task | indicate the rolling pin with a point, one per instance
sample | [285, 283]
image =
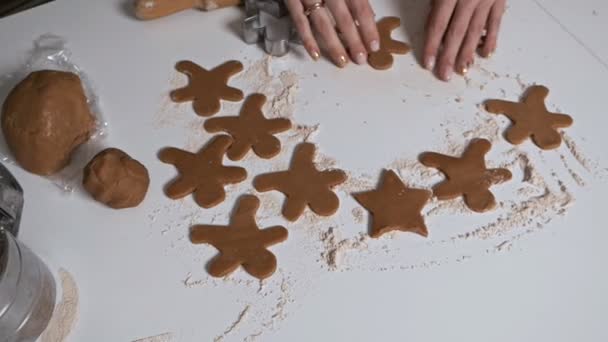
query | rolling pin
[153, 9]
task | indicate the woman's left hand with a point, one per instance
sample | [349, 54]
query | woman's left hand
[454, 31]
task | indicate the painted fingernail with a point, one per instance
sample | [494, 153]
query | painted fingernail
[342, 61]
[361, 58]
[429, 63]
[315, 55]
[446, 75]
[374, 45]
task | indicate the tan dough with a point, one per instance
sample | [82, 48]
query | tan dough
[383, 58]
[115, 179]
[45, 118]
[202, 173]
[467, 176]
[250, 130]
[394, 206]
[304, 185]
[241, 242]
[207, 87]
[531, 119]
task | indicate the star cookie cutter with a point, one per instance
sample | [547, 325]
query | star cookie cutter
[268, 22]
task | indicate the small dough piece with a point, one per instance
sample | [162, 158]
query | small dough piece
[304, 185]
[202, 173]
[383, 58]
[467, 176]
[45, 118]
[394, 206]
[250, 130]
[531, 119]
[206, 88]
[241, 242]
[115, 179]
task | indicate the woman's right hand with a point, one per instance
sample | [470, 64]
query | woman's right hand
[355, 33]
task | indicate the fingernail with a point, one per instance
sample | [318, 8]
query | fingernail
[446, 75]
[374, 45]
[342, 61]
[429, 64]
[489, 55]
[361, 58]
[315, 55]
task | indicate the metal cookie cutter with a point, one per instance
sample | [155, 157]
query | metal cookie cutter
[268, 21]
[11, 202]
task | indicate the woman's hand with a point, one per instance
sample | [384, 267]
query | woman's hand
[354, 32]
[454, 31]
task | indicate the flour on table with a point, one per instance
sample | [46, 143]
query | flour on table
[165, 337]
[65, 315]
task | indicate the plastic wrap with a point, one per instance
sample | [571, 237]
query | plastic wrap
[50, 53]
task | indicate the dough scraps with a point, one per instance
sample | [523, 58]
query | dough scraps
[531, 119]
[115, 179]
[202, 173]
[206, 88]
[394, 206]
[304, 185]
[44, 120]
[250, 130]
[467, 176]
[241, 242]
[383, 58]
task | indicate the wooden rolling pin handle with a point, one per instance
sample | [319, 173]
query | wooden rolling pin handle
[153, 9]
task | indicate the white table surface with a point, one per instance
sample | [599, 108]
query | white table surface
[138, 275]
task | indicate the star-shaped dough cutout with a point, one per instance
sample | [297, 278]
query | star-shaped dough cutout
[467, 176]
[394, 206]
[207, 87]
[250, 130]
[241, 242]
[531, 119]
[304, 185]
[202, 173]
[383, 59]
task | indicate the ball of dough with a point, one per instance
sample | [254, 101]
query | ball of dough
[115, 179]
[45, 118]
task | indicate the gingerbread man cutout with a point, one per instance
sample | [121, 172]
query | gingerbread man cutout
[202, 173]
[207, 87]
[467, 176]
[241, 242]
[531, 119]
[394, 206]
[250, 130]
[383, 58]
[304, 185]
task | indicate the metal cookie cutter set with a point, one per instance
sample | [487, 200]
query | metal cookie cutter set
[27, 287]
[268, 21]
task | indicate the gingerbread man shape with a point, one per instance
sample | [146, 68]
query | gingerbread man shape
[383, 58]
[531, 119]
[241, 242]
[304, 185]
[251, 130]
[467, 176]
[202, 173]
[207, 87]
[394, 206]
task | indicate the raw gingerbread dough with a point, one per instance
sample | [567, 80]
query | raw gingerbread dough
[467, 176]
[304, 185]
[115, 179]
[394, 206]
[531, 118]
[241, 242]
[45, 118]
[206, 88]
[202, 173]
[250, 130]
[383, 58]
